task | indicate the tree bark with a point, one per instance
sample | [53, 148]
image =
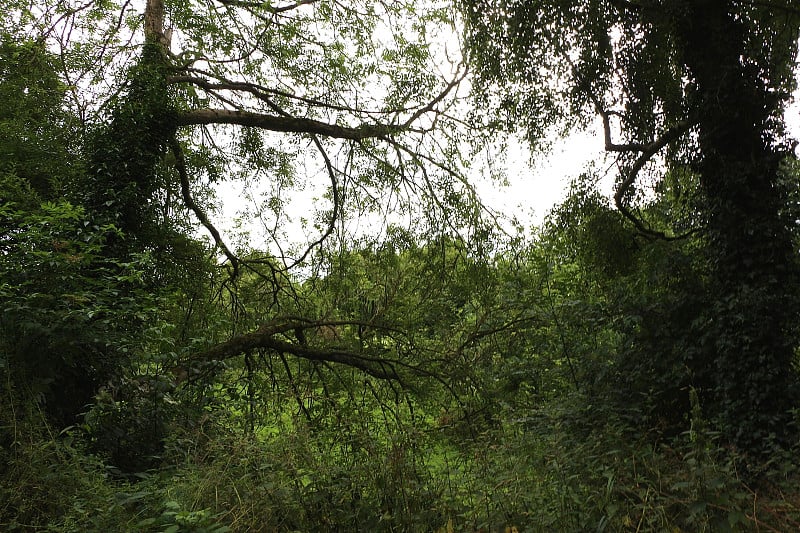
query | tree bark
[154, 22]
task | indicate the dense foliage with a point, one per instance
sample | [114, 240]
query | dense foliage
[695, 91]
[413, 363]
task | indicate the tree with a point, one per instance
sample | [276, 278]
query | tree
[178, 97]
[698, 87]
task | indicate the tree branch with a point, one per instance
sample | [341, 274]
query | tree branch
[430, 105]
[610, 146]
[336, 203]
[180, 165]
[285, 124]
[647, 153]
[266, 5]
[265, 338]
[264, 93]
[259, 91]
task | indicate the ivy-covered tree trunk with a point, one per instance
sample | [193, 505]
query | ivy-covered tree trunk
[127, 151]
[749, 336]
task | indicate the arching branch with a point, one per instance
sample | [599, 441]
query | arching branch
[180, 165]
[336, 203]
[647, 153]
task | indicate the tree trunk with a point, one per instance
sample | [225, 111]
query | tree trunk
[154, 22]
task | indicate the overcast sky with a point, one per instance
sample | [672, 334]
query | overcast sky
[534, 187]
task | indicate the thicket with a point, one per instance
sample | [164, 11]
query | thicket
[543, 419]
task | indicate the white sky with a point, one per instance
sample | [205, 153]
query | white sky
[534, 187]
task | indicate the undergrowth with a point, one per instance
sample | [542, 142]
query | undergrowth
[561, 468]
